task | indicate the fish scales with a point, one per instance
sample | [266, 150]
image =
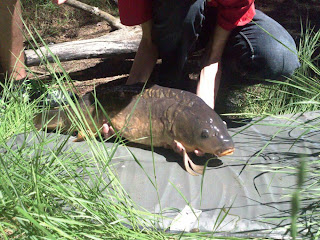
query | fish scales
[153, 105]
[175, 115]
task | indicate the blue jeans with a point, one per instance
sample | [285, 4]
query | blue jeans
[261, 49]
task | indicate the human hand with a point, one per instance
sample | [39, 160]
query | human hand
[59, 1]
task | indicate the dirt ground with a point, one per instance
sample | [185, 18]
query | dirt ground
[89, 72]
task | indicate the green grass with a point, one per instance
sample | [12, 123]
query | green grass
[301, 92]
[44, 196]
[304, 214]
[298, 93]
[52, 20]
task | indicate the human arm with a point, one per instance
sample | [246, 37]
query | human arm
[210, 74]
[11, 39]
[145, 58]
[231, 14]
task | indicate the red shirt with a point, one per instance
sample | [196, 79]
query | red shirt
[231, 13]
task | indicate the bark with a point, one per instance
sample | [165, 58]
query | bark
[120, 43]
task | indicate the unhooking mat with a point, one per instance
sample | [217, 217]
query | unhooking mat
[240, 195]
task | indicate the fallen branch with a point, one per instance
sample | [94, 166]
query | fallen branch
[123, 42]
[113, 22]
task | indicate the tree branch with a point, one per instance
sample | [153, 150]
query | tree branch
[113, 21]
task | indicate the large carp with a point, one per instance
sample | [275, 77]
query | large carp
[176, 117]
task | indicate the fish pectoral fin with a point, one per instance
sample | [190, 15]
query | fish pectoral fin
[192, 168]
[80, 137]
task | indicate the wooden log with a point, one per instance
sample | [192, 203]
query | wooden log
[123, 42]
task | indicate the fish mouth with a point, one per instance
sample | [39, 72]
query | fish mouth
[226, 152]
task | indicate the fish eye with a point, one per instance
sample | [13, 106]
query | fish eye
[205, 133]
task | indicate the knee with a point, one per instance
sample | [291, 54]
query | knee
[262, 49]
[275, 58]
[275, 49]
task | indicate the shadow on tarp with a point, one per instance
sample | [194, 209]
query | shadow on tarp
[244, 188]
